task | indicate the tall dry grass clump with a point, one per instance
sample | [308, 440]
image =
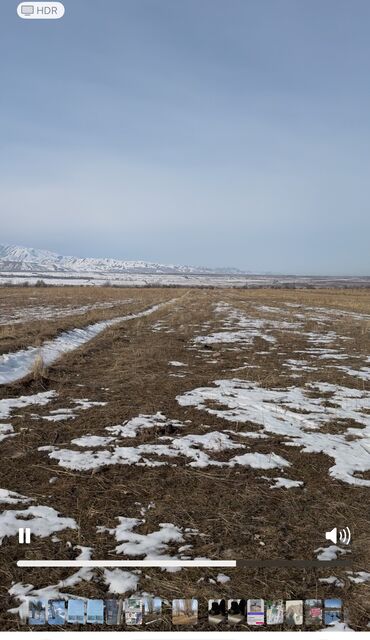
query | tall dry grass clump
[38, 368]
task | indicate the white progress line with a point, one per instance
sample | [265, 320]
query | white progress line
[126, 563]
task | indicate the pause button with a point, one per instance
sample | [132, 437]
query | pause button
[24, 536]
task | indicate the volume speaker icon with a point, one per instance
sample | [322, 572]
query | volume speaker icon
[343, 535]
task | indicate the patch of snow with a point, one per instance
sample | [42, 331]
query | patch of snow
[82, 404]
[189, 446]
[119, 581]
[131, 428]
[359, 577]
[255, 435]
[259, 461]
[42, 520]
[11, 497]
[325, 313]
[363, 373]
[267, 309]
[333, 580]
[6, 431]
[222, 578]
[59, 415]
[92, 441]
[321, 338]
[7, 405]
[212, 441]
[298, 365]
[330, 553]
[237, 328]
[152, 545]
[286, 483]
[332, 354]
[297, 416]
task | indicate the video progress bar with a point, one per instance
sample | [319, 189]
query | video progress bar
[194, 564]
[126, 563]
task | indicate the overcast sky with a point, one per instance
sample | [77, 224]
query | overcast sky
[206, 132]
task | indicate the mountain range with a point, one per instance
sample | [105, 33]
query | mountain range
[15, 258]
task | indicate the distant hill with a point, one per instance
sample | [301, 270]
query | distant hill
[23, 259]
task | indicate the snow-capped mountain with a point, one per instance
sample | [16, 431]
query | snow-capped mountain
[21, 259]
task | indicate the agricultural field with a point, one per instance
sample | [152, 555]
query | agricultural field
[168, 424]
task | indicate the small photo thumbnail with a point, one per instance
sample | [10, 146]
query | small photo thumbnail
[333, 611]
[56, 612]
[256, 612]
[113, 611]
[313, 612]
[274, 612]
[217, 611]
[95, 612]
[76, 611]
[152, 609]
[184, 611]
[236, 610]
[294, 612]
[133, 611]
[36, 611]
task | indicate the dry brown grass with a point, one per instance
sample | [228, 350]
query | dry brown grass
[127, 367]
[39, 368]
